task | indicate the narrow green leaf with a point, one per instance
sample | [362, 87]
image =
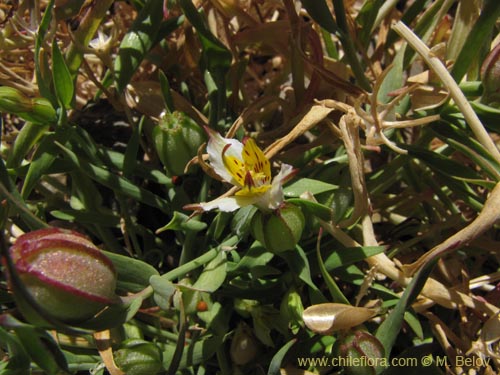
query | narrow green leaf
[215, 60]
[44, 82]
[137, 42]
[448, 167]
[9, 192]
[478, 36]
[87, 217]
[256, 256]
[133, 274]
[349, 45]
[115, 182]
[299, 266]
[336, 293]
[216, 55]
[43, 159]
[42, 349]
[319, 11]
[165, 90]
[130, 157]
[489, 116]
[19, 360]
[350, 255]
[461, 141]
[411, 319]
[276, 362]
[366, 19]
[183, 222]
[28, 137]
[63, 82]
[296, 188]
[391, 327]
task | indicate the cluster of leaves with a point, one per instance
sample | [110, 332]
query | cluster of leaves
[80, 153]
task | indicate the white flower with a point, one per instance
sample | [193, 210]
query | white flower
[244, 165]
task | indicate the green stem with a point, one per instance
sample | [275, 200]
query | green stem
[186, 268]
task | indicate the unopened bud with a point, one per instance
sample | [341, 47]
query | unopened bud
[38, 110]
[68, 277]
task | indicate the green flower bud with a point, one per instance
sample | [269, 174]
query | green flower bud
[279, 230]
[363, 353]
[67, 276]
[291, 310]
[42, 111]
[490, 76]
[139, 357]
[13, 100]
[38, 110]
[177, 139]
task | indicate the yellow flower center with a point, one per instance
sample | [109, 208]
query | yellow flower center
[253, 173]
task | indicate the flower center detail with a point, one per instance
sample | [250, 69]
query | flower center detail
[252, 172]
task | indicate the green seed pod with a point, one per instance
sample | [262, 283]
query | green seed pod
[68, 277]
[38, 110]
[279, 230]
[177, 139]
[490, 76]
[244, 346]
[363, 353]
[139, 357]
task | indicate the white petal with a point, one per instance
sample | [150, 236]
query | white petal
[285, 173]
[215, 148]
[228, 204]
[273, 197]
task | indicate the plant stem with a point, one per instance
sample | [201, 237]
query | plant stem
[187, 267]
